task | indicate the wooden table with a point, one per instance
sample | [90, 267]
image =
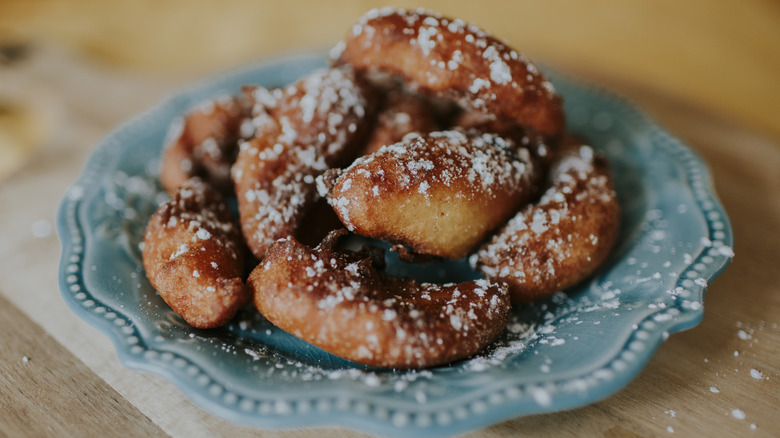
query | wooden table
[61, 377]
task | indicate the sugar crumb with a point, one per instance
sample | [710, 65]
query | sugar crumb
[41, 228]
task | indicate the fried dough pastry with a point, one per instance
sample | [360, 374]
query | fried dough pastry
[204, 144]
[438, 194]
[342, 302]
[449, 58]
[561, 239]
[300, 131]
[194, 256]
[402, 113]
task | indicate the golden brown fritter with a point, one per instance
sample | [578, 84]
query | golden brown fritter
[204, 144]
[194, 256]
[300, 132]
[342, 302]
[561, 239]
[402, 113]
[439, 193]
[446, 57]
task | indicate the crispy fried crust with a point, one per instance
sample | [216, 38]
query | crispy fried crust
[450, 58]
[343, 303]
[402, 112]
[204, 144]
[561, 239]
[439, 193]
[194, 256]
[301, 131]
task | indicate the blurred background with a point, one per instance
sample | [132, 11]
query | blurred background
[107, 60]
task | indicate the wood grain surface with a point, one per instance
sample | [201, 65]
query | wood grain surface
[78, 77]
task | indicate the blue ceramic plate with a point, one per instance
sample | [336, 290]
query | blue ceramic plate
[571, 350]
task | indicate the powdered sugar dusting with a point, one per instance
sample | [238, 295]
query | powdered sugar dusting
[537, 228]
[392, 321]
[300, 130]
[499, 70]
[443, 158]
[494, 83]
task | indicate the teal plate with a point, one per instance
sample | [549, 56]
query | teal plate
[577, 347]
